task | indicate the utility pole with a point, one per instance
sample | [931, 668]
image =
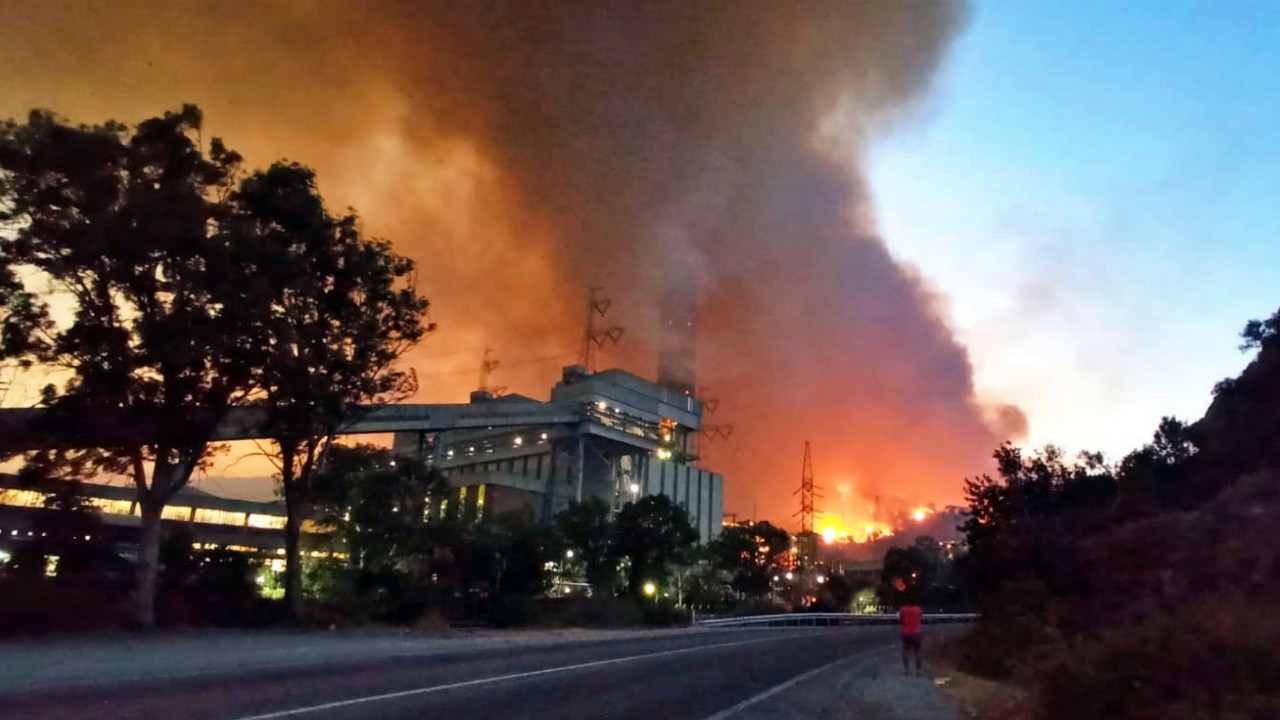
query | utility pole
[807, 492]
[591, 337]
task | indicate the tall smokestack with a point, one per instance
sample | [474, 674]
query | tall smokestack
[677, 343]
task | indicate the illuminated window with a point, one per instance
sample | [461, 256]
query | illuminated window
[315, 528]
[269, 522]
[176, 512]
[112, 507]
[480, 502]
[219, 517]
[22, 498]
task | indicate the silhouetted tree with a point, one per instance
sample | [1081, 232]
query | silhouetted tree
[24, 317]
[587, 529]
[1256, 333]
[751, 555]
[652, 533]
[909, 572]
[343, 310]
[1160, 471]
[377, 504]
[1023, 523]
[1240, 432]
[123, 223]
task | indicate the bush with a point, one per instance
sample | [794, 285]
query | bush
[1000, 648]
[511, 611]
[1213, 660]
[39, 607]
[589, 612]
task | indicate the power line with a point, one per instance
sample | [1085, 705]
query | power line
[505, 364]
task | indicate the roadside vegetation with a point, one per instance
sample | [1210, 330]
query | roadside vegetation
[1147, 588]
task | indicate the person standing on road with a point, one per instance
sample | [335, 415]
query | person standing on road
[910, 618]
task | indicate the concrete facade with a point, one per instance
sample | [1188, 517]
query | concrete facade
[627, 438]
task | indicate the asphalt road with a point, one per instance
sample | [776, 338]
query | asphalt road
[699, 675]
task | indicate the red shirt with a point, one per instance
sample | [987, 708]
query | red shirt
[909, 616]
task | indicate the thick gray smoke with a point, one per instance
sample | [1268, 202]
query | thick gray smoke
[521, 151]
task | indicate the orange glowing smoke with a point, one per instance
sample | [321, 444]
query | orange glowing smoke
[522, 151]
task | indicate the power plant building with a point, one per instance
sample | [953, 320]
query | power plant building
[608, 435]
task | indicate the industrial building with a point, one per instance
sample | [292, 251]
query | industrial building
[213, 523]
[609, 435]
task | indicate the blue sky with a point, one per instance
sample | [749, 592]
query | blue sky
[1094, 190]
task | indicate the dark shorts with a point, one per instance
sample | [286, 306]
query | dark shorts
[910, 642]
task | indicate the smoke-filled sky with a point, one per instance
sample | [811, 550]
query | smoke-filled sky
[523, 151]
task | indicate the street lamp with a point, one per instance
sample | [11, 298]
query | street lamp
[568, 554]
[651, 590]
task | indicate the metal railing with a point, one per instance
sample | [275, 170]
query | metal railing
[829, 620]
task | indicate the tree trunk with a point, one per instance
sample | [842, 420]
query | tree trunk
[293, 561]
[292, 531]
[148, 567]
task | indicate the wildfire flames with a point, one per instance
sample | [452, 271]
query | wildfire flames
[521, 152]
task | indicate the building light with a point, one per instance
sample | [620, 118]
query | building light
[450, 453]
[219, 517]
[568, 554]
[518, 441]
[544, 436]
[602, 406]
[635, 488]
[51, 566]
[789, 576]
[266, 522]
[393, 463]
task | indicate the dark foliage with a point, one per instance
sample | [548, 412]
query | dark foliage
[1147, 591]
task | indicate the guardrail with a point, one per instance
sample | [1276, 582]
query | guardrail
[828, 619]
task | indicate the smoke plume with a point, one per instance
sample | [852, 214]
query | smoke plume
[522, 151]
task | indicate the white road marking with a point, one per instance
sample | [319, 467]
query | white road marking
[788, 684]
[500, 678]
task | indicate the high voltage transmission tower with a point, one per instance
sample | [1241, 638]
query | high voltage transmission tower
[488, 364]
[593, 338]
[808, 492]
[710, 431]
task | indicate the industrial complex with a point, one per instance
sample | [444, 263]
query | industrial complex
[608, 435]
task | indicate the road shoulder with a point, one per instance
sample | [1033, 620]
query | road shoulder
[866, 687]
